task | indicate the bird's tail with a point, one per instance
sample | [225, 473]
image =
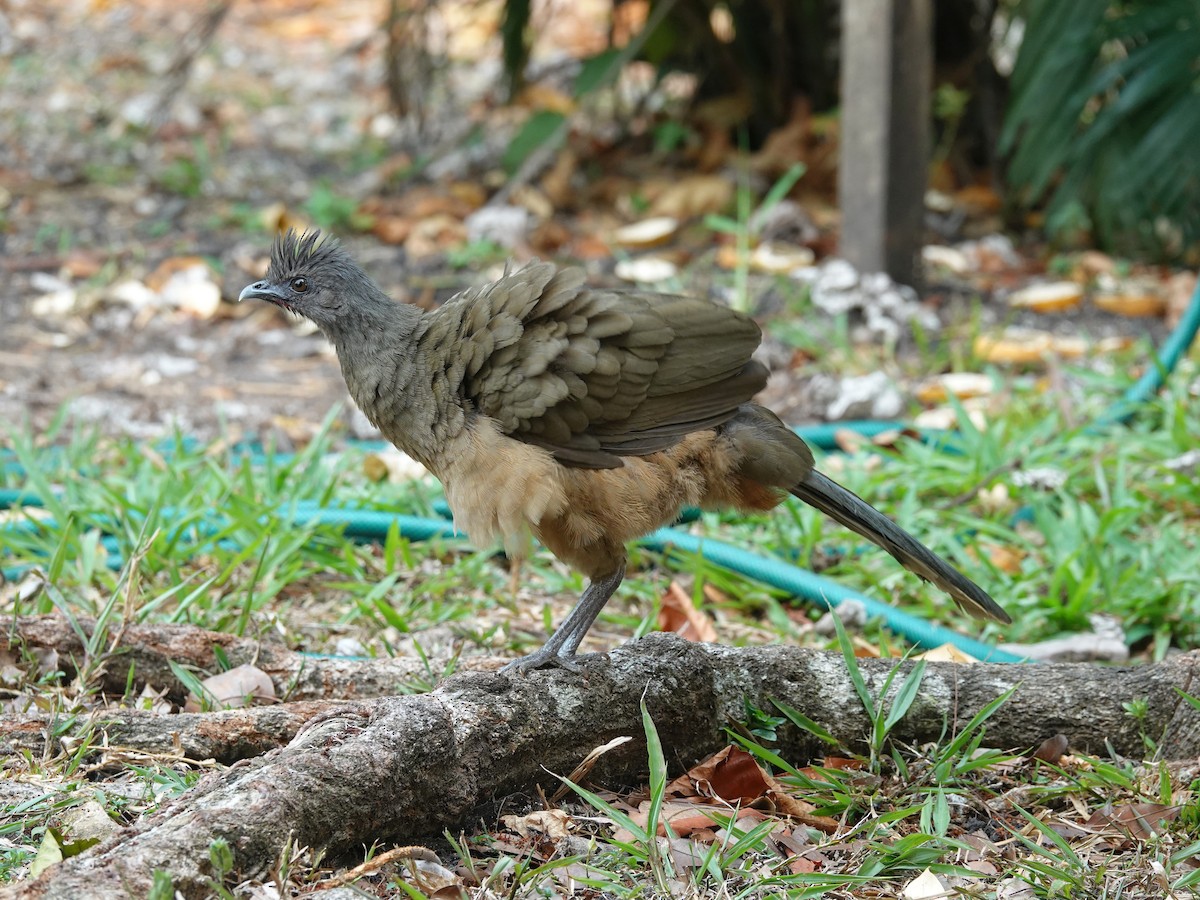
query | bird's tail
[856, 514]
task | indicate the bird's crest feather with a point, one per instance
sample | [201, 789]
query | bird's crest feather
[292, 252]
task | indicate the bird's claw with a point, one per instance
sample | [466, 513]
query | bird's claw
[542, 659]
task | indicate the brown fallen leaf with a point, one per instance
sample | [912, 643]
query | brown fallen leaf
[731, 774]
[677, 613]
[240, 686]
[734, 776]
[977, 199]
[1137, 821]
[1006, 558]
[946, 653]
[1015, 346]
[277, 217]
[392, 229]
[1049, 297]
[1133, 301]
[433, 235]
[1091, 263]
[83, 264]
[170, 267]
[586, 765]
[1052, 749]
[694, 196]
[558, 184]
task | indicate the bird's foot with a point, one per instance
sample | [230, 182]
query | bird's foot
[543, 659]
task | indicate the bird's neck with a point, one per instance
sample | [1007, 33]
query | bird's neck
[385, 369]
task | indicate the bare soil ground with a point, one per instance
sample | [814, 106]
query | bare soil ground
[99, 191]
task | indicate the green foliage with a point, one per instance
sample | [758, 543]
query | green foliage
[740, 227]
[515, 42]
[185, 175]
[538, 129]
[1105, 119]
[334, 212]
[475, 254]
[884, 715]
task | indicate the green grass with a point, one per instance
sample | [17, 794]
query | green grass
[178, 532]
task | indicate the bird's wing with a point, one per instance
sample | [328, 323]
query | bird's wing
[593, 375]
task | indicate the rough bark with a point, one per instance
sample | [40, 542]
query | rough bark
[225, 736]
[150, 648]
[403, 767]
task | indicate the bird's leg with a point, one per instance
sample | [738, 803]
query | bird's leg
[559, 649]
[514, 577]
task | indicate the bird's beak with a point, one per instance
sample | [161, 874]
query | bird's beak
[262, 290]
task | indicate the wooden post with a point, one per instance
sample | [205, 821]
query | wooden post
[886, 79]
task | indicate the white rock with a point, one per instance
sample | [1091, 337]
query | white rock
[871, 396]
[852, 613]
[54, 305]
[949, 258]
[193, 290]
[132, 293]
[507, 226]
[646, 270]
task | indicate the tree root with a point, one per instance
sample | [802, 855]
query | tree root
[398, 768]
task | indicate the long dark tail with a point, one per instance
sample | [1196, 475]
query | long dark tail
[856, 514]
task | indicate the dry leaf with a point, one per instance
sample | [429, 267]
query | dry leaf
[961, 385]
[786, 145]
[1139, 821]
[693, 197]
[391, 229]
[1005, 558]
[978, 199]
[1052, 297]
[277, 217]
[731, 774]
[926, 886]
[1069, 347]
[1133, 301]
[392, 465]
[240, 686]
[780, 259]
[80, 263]
[541, 96]
[1015, 346]
[1091, 263]
[553, 823]
[677, 614]
[558, 184]
[949, 258]
[646, 233]
[946, 653]
[587, 764]
[435, 234]
[1052, 749]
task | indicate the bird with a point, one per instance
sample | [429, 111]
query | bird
[582, 417]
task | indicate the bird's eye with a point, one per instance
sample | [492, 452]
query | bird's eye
[299, 284]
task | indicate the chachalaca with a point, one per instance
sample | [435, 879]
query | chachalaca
[584, 417]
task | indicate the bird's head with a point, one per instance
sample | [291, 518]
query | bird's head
[312, 277]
